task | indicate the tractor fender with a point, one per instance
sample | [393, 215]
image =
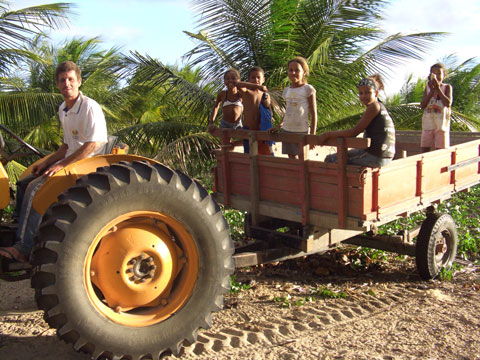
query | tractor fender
[65, 178]
[4, 188]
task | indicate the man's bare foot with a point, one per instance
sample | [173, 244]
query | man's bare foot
[12, 254]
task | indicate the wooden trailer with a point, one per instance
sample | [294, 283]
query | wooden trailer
[297, 207]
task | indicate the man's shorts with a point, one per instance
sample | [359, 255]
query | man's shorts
[438, 138]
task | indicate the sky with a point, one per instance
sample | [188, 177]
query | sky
[155, 27]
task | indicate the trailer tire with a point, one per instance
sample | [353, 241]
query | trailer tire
[436, 245]
[132, 261]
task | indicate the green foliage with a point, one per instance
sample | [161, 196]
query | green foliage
[463, 207]
[465, 81]
[283, 301]
[235, 220]
[327, 293]
[236, 287]
[447, 274]
[315, 293]
[7, 214]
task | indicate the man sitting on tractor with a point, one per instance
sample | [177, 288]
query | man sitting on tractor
[84, 135]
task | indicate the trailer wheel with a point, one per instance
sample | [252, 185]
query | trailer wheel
[132, 261]
[436, 245]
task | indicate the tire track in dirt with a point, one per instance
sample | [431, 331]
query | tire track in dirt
[273, 331]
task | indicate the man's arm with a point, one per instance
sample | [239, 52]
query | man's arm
[82, 152]
[46, 162]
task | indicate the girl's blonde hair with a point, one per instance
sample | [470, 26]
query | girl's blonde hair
[303, 63]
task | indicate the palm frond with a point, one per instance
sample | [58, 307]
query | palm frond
[189, 153]
[148, 139]
[21, 111]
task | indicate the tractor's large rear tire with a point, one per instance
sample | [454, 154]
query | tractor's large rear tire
[436, 245]
[132, 261]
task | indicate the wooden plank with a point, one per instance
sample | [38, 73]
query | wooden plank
[342, 182]
[254, 179]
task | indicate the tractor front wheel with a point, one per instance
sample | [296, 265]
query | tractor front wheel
[132, 261]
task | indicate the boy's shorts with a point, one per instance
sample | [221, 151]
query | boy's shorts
[263, 147]
[438, 138]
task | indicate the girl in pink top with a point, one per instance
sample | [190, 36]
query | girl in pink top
[436, 102]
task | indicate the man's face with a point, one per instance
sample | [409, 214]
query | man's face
[256, 77]
[68, 84]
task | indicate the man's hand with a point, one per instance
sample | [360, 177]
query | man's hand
[52, 170]
[38, 168]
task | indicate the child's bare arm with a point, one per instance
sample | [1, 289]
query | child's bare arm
[312, 107]
[250, 86]
[446, 97]
[213, 115]
[425, 98]
[215, 108]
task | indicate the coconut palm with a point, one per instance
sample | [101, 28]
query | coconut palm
[39, 125]
[19, 30]
[465, 81]
[331, 34]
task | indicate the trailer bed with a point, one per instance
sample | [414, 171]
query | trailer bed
[337, 202]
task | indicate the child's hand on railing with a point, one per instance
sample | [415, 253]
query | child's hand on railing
[274, 129]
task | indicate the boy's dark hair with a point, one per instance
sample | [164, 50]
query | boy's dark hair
[67, 66]
[440, 65]
[256, 68]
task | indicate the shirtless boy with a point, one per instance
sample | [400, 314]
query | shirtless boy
[253, 93]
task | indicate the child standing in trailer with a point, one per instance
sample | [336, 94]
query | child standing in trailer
[436, 102]
[231, 101]
[377, 124]
[256, 101]
[301, 105]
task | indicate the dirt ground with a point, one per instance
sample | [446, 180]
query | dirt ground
[320, 307]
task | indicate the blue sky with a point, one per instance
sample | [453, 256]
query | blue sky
[155, 27]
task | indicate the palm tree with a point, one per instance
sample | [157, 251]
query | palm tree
[330, 34]
[40, 127]
[18, 28]
[163, 123]
[465, 81]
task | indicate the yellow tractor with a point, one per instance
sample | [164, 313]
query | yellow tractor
[131, 257]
